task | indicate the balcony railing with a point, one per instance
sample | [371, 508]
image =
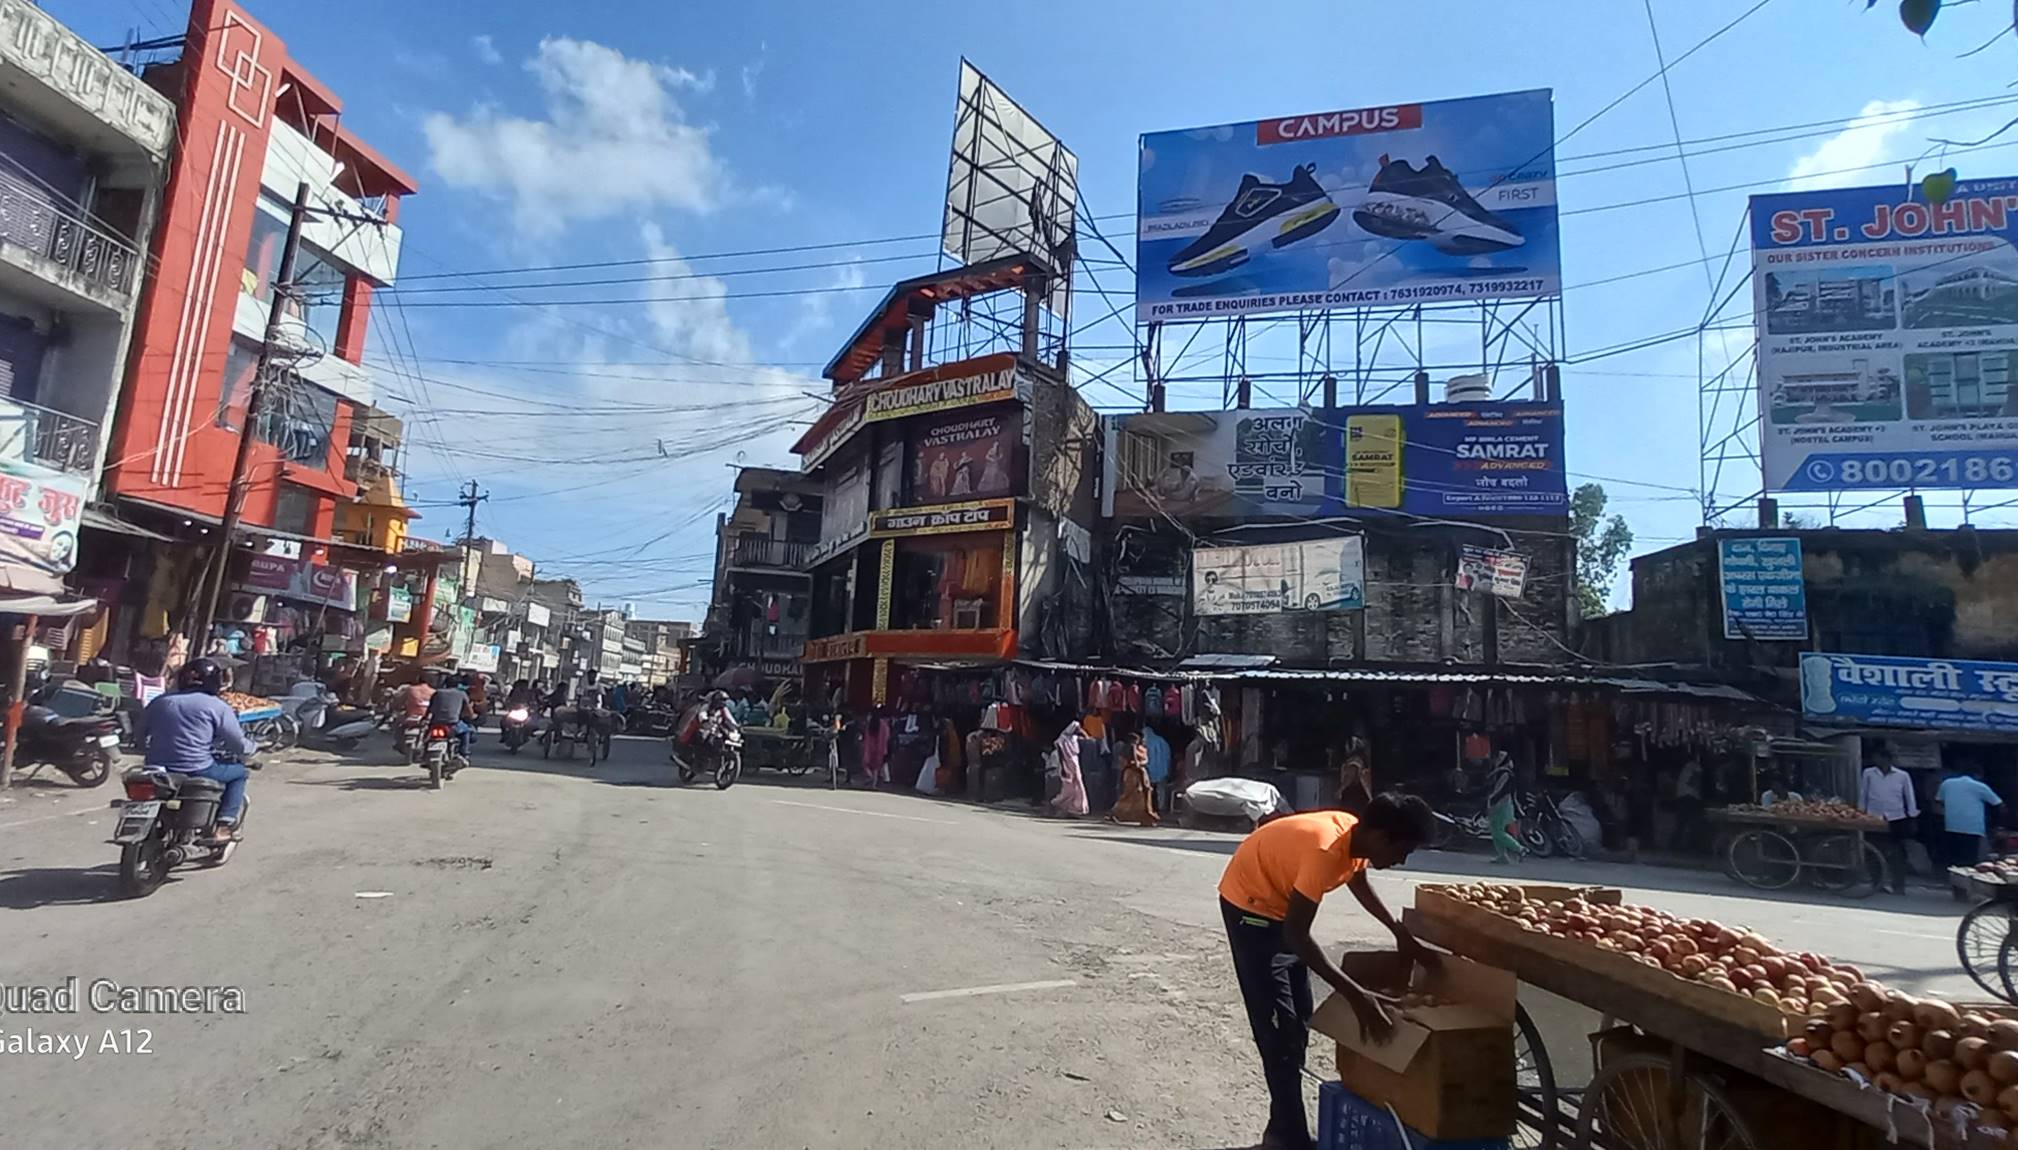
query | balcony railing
[30, 219]
[782, 645]
[764, 551]
[51, 438]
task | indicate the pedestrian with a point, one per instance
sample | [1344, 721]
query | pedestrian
[1961, 799]
[1136, 803]
[1887, 792]
[1268, 898]
[1499, 810]
[1355, 773]
[1070, 801]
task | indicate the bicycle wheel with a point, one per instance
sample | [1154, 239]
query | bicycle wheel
[1981, 936]
[1628, 1107]
[1535, 1085]
[1764, 859]
[1834, 864]
[2004, 967]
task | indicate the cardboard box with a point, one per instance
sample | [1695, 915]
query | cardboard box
[1448, 1071]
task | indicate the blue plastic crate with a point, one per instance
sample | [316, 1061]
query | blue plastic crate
[1345, 1121]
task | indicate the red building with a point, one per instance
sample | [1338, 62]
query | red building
[252, 124]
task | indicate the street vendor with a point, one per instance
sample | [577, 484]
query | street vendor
[1268, 897]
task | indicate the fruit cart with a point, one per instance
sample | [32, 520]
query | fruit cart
[1681, 1064]
[1984, 938]
[259, 717]
[1771, 850]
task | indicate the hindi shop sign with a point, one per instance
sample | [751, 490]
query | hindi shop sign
[1764, 594]
[39, 512]
[1952, 694]
[1501, 573]
[945, 519]
[988, 386]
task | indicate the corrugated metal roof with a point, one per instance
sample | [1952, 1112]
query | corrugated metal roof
[1501, 678]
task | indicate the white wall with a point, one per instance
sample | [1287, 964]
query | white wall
[372, 250]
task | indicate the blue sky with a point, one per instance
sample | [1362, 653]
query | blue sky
[618, 130]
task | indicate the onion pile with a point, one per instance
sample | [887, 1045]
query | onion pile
[1819, 810]
[1736, 961]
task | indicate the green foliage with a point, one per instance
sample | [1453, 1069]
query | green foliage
[1938, 186]
[1602, 545]
[1917, 15]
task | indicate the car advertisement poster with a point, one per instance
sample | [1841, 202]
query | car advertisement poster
[1765, 594]
[1888, 332]
[1366, 207]
[1314, 575]
[1462, 460]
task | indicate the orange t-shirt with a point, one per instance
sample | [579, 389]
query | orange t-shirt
[1306, 853]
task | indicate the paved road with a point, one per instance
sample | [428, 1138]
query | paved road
[544, 955]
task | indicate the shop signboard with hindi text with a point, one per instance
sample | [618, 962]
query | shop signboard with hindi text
[1886, 690]
[1447, 460]
[944, 519]
[969, 454]
[1312, 575]
[1764, 593]
[40, 510]
[1887, 337]
[1447, 201]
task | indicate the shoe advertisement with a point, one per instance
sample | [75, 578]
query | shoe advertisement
[1373, 207]
[1886, 329]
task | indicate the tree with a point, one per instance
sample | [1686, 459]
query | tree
[1601, 545]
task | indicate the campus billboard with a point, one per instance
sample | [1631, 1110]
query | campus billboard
[1888, 333]
[1410, 203]
[1441, 460]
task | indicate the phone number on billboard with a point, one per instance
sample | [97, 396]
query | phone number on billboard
[1939, 469]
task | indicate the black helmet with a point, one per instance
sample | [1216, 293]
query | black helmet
[718, 697]
[204, 675]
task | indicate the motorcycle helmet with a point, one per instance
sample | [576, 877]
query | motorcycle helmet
[718, 698]
[202, 674]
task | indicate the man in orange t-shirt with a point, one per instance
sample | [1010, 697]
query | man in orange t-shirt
[1268, 897]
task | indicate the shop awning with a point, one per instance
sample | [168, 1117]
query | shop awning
[1212, 662]
[102, 520]
[47, 606]
[1522, 678]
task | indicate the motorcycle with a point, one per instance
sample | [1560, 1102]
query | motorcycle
[318, 721]
[726, 751]
[515, 729]
[408, 737]
[85, 747]
[166, 820]
[438, 752]
[1544, 830]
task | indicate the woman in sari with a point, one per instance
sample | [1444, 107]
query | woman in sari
[1136, 803]
[1071, 798]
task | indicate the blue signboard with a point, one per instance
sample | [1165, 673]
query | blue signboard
[1450, 200]
[1764, 594]
[1888, 337]
[1452, 459]
[1955, 694]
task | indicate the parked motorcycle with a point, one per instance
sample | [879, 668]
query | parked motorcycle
[515, 729]
[168, 819]
[723, 752]
[319, 721]
[85, 747]
[1543, 829]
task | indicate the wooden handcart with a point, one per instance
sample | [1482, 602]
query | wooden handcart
[1772, 852]
[1681, 1066]
[1984, 939]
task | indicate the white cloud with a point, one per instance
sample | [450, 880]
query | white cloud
[816, 312]
[1843, 160]
[754, 69]
[614, 139]
[486, 49]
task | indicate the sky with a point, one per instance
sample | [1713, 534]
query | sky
[605, 429]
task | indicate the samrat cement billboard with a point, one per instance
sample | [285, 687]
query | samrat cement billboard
[1408, 203]
[1888, 334]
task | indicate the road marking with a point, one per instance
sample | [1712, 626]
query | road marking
[373, 894]
[856, 811]
[1909, 933]
[1001, 988]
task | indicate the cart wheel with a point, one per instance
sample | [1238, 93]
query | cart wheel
[1978, 940]
[1627, 1108]
[1535, 1082]
[1831, 868]
[1764, 859]
[2005, 967]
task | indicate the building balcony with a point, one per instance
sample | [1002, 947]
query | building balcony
[59, 259]
[52, 439]
[79, 91]
[761, 552]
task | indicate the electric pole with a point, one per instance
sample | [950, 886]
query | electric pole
[241, 466]
[469, 499]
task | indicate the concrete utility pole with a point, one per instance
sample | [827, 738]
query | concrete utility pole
[241, 466]
[469, 499]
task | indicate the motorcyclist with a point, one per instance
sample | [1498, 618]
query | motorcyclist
[181, 731]
[521, 695]
[717, 720]
[451, 707]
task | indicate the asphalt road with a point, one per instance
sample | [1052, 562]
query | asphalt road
[541, 954]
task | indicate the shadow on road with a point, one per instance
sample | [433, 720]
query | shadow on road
[59, 886]
[370, 783]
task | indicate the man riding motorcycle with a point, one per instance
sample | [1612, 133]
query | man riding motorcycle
[450, 707]
[181, 730]
[715, 724]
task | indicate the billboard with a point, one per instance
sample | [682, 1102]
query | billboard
[1501, 573]
[1459, 460]
[1412, 203]
[40, 511]
[1765, 595]
[1888, 335]
[1951, 694]
[966, 455]
[1314, 575]
[1012, 189]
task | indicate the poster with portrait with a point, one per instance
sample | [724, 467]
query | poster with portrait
[965, 455]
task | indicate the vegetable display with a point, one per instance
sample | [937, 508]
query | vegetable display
[1811, 810]
[1959, 1064]
[2005, 870]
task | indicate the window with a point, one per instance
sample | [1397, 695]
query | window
[318, 301]
[297, 416]
[294, 508]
